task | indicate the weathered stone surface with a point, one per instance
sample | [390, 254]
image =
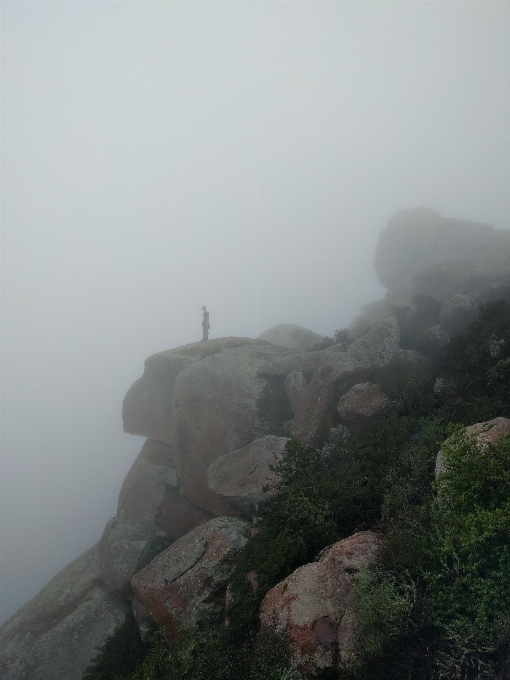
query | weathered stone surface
[289, 335]
[239, 477]
[145, 486]
[123, 550]
[314, 403]
[361, 402]
[428, 254]
[436, 338]
[315, 606]
[457, 313]
[487, 432]
[187, 582]
[223, 403]
[150, 498]
[57, 633]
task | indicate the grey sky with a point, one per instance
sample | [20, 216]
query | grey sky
[158, 156]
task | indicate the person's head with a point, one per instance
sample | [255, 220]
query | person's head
[204, 309]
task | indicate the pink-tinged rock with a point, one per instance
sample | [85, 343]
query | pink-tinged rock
[487, 432]
[316, 605]
[361, 402]
[187, 582]
[240, 477]
[314, 403]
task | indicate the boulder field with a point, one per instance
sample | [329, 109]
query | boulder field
[217, 416]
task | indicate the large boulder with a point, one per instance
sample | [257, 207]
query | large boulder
[240, 477]
[314, 403]
[315, 606]
[361, 402]
[224, 402]
[487, 432]
[58, 633]
[187, 582]
[423, 252]
[289, 335]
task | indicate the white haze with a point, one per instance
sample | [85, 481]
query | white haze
[159, 156]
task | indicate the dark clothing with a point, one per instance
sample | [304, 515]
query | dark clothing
[205, 326]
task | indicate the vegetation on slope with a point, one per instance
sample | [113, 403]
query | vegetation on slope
[437, 604]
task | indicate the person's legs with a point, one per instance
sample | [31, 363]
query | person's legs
[206, 334]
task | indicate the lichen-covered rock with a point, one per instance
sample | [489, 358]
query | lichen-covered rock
[187, 582]
[487, 432]
[431, 255]
[361, 402]
[456, 313]
[315, 605]
[240, 477]
[58, 633]
[292, 336]
[314, 403]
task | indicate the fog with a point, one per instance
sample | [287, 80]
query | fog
[161, 156]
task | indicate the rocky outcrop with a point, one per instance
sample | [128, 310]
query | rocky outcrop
[223, 403]
[487, 432]
[315, 606]
[361, 402]
[289, 335]
[423, 252]
[151, 513]
[314, 403]
[187, 582]
[58, 632]
[241, 476]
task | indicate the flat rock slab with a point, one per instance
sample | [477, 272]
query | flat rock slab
[315, 605]
[57, 634]
[240, 477]
[187, 582]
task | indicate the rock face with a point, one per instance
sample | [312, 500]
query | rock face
[315, 606]
[487, 432]
[187, 582]
[223, 403]
[289, 335]
[57, 633]
[361, 402]
[239, 477]
[425, 253]
[314, 403]
[151, 513]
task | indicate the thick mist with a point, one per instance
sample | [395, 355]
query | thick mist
[159, 156]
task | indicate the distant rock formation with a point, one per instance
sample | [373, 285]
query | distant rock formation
[292, 336]
[428, 254]
[438, 269]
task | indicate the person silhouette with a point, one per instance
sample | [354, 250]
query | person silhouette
[205, 324]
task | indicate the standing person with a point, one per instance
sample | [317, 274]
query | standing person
[205, 324]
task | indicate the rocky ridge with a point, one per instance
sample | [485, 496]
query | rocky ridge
[217, 417]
